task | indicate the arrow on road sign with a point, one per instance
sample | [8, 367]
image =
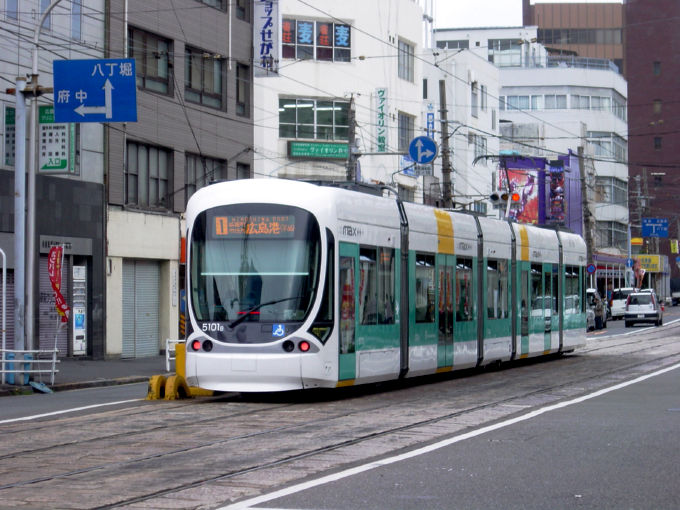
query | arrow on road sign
[83, 110]
[421, 152]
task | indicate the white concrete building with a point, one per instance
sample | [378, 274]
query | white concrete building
[338, 56]
[472, 89]
[551, 104]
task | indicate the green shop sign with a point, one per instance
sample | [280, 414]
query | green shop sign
[318, 150]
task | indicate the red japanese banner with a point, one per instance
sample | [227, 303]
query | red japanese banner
[54, 271]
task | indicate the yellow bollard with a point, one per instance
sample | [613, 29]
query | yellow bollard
[156, 389]
[176, 388]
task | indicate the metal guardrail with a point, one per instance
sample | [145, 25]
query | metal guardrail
[23, 363]
[170, 352]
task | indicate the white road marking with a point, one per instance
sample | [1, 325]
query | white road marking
[64, 411]
[250, 503]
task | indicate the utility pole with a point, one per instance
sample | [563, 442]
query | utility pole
[447, 188]
[588, 233]
[351, 149]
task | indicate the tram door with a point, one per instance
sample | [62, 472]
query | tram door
[446, 265]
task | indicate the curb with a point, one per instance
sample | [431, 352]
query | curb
[8, 391]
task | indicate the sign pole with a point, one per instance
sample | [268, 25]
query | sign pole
[19, 214]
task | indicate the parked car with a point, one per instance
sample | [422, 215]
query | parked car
[643, 307]
[619, 297]
[592, 295]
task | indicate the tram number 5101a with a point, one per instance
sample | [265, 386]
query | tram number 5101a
[211, 327]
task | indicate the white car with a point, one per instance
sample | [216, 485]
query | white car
[643, 307]
[619, 297]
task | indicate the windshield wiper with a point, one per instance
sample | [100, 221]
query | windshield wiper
[252, 309]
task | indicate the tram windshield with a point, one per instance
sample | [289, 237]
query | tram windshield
[254, 263]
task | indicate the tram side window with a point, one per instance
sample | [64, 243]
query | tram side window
[425, 286]
[497, 289]
[386, 286]
[555, 289]
[368, 285]
[572, 300]
[346, 305]
[536, 287]
[465, 309]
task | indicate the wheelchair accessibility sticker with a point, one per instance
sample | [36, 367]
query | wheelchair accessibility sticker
[278, 330]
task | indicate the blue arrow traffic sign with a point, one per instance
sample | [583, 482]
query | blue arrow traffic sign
[96, 90]
[422, 150]
[654, 227]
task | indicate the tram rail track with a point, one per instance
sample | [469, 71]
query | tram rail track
[491, 395]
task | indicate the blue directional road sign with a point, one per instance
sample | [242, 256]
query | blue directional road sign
[422, 150]
[654, 227]
[103, 90]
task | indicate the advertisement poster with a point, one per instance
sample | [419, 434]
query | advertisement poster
[523, 182]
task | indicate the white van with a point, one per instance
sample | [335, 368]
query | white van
[619, 297]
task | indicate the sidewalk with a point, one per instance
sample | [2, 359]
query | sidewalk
[85, 373]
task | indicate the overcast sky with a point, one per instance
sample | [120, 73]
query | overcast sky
[486, 13]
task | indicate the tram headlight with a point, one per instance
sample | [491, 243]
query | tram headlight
[303, 345]
[196, 345]
[288, 346]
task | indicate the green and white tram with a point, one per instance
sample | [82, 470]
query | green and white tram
[294, 285]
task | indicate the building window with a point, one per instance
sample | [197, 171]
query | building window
[243, 90]
[47, 24]
[242, 171]
[151, 55]
[608, 145]
[484, 98]
[405, 129]
[147, 174]
[505, 52]
[656, 67]
[201, 171]
[405, 61]
[76, 20]
[313, 118]
[242, 12]
[217, 4]
[454, 45]
[555, 102]
[203, 73]
[474, 100]
[406, 194]
[657, 106]
[580, 102]
[12, 9]
[657, 143]
[424, 88]
[316, 40]
[611, 234]
[480, 143]
[612, 191]
[517, 102]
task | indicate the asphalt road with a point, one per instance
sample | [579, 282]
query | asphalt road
[617, 450]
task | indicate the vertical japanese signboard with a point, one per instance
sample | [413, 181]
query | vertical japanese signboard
[381, 119]
[266, 37]
[10, 137]
[556, 204]
[56, 149]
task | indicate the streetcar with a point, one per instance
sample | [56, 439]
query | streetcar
[294, 285]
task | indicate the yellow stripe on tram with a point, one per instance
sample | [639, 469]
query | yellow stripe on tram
[444, 232]
[346, 382]
[524, 238]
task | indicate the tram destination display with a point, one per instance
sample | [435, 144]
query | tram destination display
[256, 226]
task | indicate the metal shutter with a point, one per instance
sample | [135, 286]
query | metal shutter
[9, 310]
[49, 319]
[141, 290]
